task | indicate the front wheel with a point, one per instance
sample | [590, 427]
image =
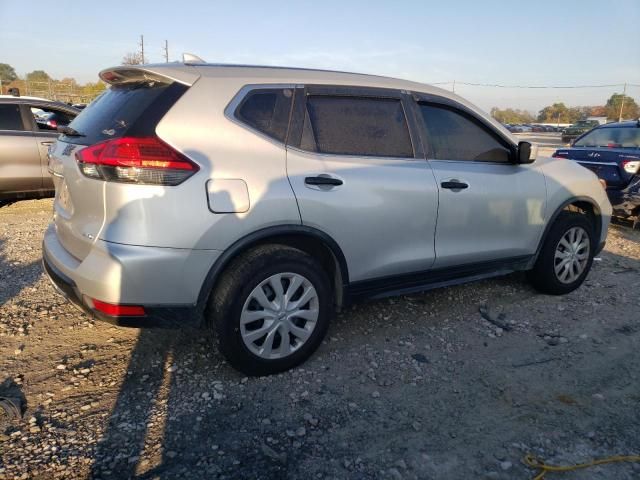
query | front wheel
[271, 309]
[566, 256]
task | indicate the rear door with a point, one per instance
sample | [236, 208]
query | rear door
[20, 169]
[490, 208]
[357, 170]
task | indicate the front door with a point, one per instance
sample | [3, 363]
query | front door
[359, 175]
[490, 208]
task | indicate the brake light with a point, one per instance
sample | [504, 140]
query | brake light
[631, 166]
[52, 123]
[147, 161]
[118, 310]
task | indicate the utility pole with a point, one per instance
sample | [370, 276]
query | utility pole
[166, 51]
[142, 49]
[454, 86]
[624, 94]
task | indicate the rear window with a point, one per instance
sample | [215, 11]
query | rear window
[116, 110]
[267, 110]
[10, 118]
[365, 126]
[618, 137]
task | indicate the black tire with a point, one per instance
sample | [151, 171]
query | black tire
[239, 280]
[543, 276]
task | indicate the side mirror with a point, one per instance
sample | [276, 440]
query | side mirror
[523, 154]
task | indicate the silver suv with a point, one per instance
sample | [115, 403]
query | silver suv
[28, 126]
[258, 201]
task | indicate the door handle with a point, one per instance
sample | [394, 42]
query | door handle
[48, 143]
[320, 180]
[454, 184]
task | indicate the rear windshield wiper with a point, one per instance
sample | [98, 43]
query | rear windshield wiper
[69, 132]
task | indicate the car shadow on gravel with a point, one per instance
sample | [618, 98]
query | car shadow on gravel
[153, 422]
[374, 393]
[14, 277]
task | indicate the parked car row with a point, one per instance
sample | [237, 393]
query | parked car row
[526, 127]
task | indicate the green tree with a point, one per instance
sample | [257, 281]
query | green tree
[92, 90]
[7, 73]
[556, 113]
[630, 110]
[38, 76]
[511, 115]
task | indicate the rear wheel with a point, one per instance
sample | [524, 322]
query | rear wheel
[566, 256]
[271, 309]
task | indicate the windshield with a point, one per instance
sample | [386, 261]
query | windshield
[621, 137]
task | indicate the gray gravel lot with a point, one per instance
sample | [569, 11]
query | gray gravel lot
[416, 387]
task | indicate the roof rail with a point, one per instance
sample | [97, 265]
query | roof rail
[191, 59]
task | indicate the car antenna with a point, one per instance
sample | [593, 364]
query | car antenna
[191, 59]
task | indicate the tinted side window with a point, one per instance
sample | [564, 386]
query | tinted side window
[10, 118]
[453, 136]
[345, 125]
[267, 110]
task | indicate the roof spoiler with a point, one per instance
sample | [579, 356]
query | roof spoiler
[162, 73]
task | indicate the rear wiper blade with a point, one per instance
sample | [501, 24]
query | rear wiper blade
[70, 132]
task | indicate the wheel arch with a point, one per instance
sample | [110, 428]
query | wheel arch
[580, 204]
[308, 239]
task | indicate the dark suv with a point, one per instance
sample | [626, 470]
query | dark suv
[578, 129]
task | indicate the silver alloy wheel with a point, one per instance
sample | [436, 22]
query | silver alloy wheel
[572, 255]
[279, 315]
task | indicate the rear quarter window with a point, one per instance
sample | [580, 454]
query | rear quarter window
[267, 110]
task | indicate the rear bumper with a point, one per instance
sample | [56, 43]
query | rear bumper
[626, 202]
[166, 282]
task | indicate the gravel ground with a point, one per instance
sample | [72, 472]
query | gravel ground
[417, 387]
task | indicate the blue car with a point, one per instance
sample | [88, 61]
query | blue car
[612, 152]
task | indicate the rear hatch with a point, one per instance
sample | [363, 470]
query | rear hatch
[128, 110]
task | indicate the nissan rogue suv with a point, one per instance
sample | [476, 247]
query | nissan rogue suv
[260, 200]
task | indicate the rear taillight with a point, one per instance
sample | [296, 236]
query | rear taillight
[147, 161]
[115, 310]
[631, 166]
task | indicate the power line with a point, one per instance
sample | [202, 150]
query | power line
[497, 85]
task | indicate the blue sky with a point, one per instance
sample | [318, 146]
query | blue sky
[539, 42]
